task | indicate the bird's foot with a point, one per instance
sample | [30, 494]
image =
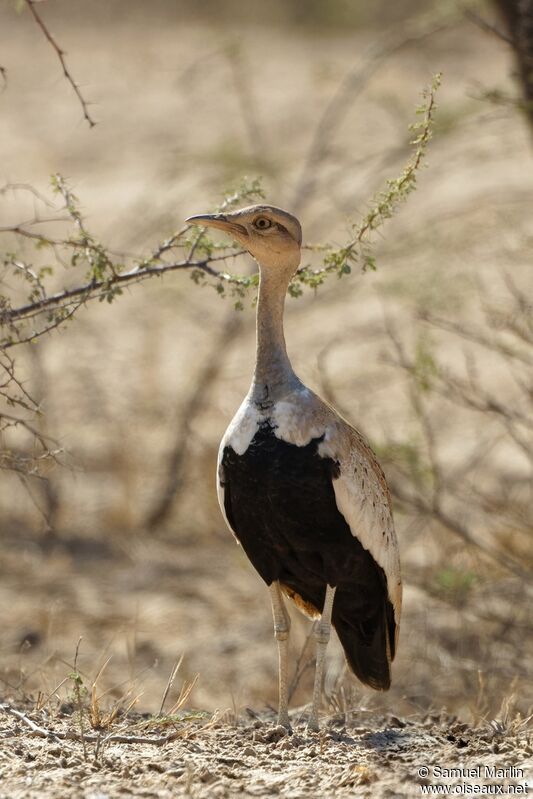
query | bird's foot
[313, 725]
[283, 721]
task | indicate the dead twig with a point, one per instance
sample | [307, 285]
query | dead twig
[7, 187]
[170, 683]
[476, 336]
[35, 730]
[61, 55]
[487, 27]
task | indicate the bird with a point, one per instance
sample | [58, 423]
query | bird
[300, 488]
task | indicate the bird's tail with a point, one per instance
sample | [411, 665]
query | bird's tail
[367, 647]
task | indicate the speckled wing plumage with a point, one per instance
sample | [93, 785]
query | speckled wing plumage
[363, 498]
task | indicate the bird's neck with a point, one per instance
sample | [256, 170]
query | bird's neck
[274, 375]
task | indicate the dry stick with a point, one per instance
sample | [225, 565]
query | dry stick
[192, 408]
[524, 303]
[473, 335]
[42, 732]
[61, 55]
[170, 683]
[35, 730]
[459, 392]
[24, 400]
[76, 679]
[487, 27]
[326, 388]
[15, 421]
[350, 87]
[14, 187]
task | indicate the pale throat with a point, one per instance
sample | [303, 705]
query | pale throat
[273, 375]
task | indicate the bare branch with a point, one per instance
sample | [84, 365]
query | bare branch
[458, 528]
[349, 89]
[27, 188]
[476, 336]
[61, 55]
[488, 27]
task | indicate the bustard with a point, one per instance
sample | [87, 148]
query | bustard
[300, 488]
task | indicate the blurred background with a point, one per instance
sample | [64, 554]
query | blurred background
[430, 356]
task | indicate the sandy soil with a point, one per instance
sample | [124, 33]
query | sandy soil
[371, 756]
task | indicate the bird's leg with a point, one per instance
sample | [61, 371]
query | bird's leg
[321, 635]
[282, 625]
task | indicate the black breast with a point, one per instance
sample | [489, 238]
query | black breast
[280, 502]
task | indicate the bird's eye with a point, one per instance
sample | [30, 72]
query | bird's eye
[262, 223]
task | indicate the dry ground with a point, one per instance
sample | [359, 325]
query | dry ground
[371, 756]
[175, 128]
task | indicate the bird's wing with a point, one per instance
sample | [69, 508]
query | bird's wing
[363, 498]
[361, 491]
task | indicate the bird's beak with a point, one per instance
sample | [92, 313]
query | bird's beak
[220, 221]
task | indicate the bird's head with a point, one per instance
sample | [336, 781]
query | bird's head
[272, 236]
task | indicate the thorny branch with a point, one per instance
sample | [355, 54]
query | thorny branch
[108, 276]
[61, 55]
[95, 288]
[13, 394]
[106, 273]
